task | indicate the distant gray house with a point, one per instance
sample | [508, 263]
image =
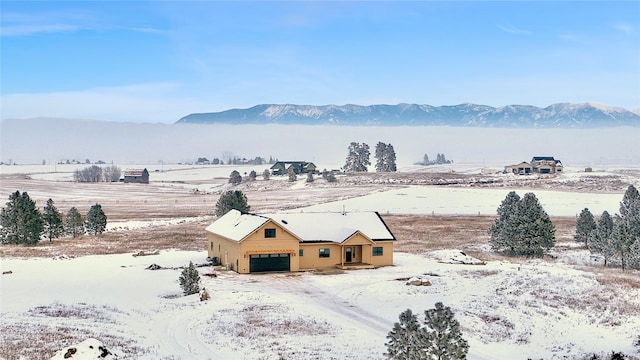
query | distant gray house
[140, 176]
[299, 167]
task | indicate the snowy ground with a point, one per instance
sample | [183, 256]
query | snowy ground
[508, 308]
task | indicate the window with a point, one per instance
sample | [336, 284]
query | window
[377, 251]
[324, 252]
[269, 233]
[300, 252]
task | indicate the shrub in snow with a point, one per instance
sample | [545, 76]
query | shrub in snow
[438, 338]
[190, 280]
[235, 178]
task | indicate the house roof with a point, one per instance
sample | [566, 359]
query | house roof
[286, 164]
[308, 227]
[235, 225]
[134, 172]
[543, 158]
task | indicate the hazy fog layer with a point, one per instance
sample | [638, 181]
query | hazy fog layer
[52, 140]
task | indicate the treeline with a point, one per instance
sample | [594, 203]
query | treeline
[523, 228]
[440, 159]
[21, 222]
[235, 160]
[615, 238]
[96, 173]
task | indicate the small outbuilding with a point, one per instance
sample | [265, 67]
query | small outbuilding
[140, 176]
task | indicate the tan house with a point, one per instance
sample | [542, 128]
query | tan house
[251, 243]
[524, 168]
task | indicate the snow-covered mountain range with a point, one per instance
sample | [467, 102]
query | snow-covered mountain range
[563, 115]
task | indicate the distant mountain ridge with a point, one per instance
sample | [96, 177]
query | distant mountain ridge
[562, 115]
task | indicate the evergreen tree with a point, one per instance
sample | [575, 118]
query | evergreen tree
[292, 174]
[621, 241]
[385, 157]
[585, 225]
[74, 223]
[357, 158]
[522, 228]
[503, 229]
[425, 160]
[52, 221]
[252, 175]
[444, 338]
[634, 255]
[310, 177]
[232, 199]
[96, 220]
[266, 174]
[630, 210]
[600, 239]
[20, 221]
[235, 178]
[190, 280]
[406, 339]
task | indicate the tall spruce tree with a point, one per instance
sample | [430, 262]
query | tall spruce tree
[621, 241]
[600, 239]
[96, 220]
[232, 199]
[357, 158]
[585, 225]
[630, 210]
[235, 178]
[74, 223]
[52, 218]
[406, 339]
[385, 157]
[522, 228]
[444, 338]
[21, 222]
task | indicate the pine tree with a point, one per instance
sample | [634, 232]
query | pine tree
[252, 175]
[74, 223]
[406, 339]
[96, 220]
[522, 228]
[503, 229]
[266, 174]
[621, 241]
[585, 225]
[357, 158]
[232, 199]
[444, 337]
[630, 210]
[385, 157]
[634, 255]
[310, 177]
[21, 222]
[235, 178]
[292, 174]
[190, 280]
[52, 221]
[600, 240]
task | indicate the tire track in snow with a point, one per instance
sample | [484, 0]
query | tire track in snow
[179, 332]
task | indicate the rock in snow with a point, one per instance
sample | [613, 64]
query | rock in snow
[88, 349]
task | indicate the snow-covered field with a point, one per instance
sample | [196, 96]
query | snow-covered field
[508, 308]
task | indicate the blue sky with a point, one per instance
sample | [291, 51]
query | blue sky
[156, 61]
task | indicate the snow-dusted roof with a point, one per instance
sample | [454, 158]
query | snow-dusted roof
[309, 227]
[333, 226]
[236, 226]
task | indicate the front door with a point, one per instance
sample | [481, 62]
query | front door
[348, 254]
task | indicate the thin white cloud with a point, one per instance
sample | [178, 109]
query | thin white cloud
[513, 30]
[625, 28]
[23, 30]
